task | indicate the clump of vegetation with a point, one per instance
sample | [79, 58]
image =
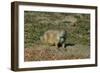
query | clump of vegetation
[37, 23]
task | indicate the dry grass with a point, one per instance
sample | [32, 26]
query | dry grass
[43, 52]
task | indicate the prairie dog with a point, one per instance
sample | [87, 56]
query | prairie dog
[54, 37]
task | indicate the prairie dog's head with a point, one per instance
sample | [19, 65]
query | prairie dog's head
[62, 33]
[62, 36]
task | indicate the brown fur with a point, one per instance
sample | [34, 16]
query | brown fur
[53, 37]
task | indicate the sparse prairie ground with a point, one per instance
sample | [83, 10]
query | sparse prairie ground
[78, 35]
[43, 52]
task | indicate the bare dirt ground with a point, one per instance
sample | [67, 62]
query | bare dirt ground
[43, 52]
